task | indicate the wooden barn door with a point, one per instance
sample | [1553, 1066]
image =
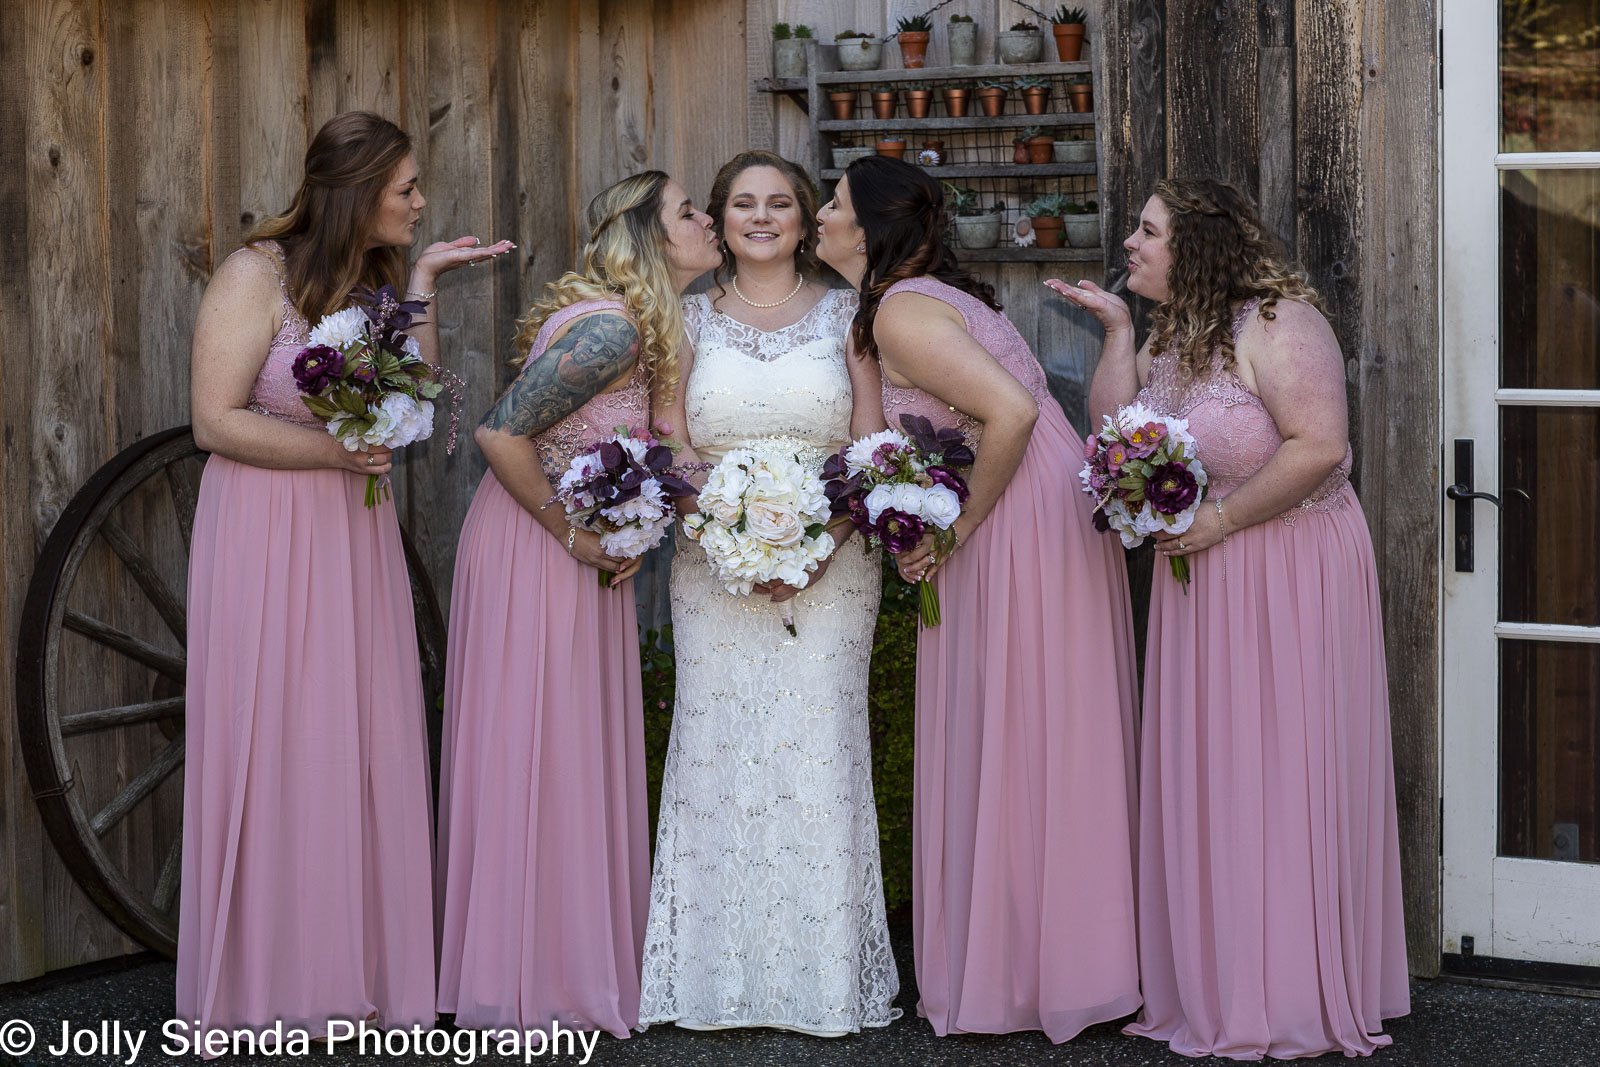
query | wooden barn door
[1521, 476]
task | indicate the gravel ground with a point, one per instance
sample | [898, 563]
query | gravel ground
[1450, 1023]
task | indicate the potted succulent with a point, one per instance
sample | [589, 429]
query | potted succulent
[846, 154]
[963, 41]
[1082, 223]
[1035, 94]
[893, 147]
[1044, 213]
[912, 32]
[955, 101]
[992, 96]
[1040, 144]
[1076, 149]
[1082, 93]
[885, 98]
[976, 226]
[789, 50]
[1068, 26]
[919, 98]
[859, 51]
[843, 103]
[1022, 43]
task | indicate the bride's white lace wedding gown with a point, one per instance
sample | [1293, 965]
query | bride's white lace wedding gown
[766, 905]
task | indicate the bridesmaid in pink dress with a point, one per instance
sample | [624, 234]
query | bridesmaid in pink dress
[1269, 894]
[306, 821]
[1022, 847]
[544, 854]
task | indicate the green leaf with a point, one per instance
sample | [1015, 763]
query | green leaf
[320, 407]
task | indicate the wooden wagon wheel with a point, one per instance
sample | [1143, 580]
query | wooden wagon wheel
[159, 477]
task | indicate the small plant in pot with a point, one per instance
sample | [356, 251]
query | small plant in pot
[976, 226]
[1082, 93]
[1068, 26]
[1075, 149]
[1045, 213]
[1022, 43]
[893, 147]
[963, 41]
[1032, 145]
[1035, 94]
[789, 50]
[912, 33]
[992, 96]
[885, 99]
[955, 100]
[919, 98]
[1082, 223]
[846, 154]
[843, 103]
[859, 51]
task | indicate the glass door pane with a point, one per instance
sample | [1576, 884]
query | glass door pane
[1549, 75]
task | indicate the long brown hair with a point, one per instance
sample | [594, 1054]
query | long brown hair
[901, 211]
[625, 258]
[324, 233]
[805, 197]
[1222, 254]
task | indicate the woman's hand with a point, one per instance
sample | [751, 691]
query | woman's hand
[781, 591]
[1206, 531]
[924, 559]
[1109, 309]
[376, 460]
[442, 257]
[586, 549]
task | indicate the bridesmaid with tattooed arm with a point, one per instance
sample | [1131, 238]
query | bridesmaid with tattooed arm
[544, 864]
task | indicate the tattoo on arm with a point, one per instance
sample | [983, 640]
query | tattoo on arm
[597, 351]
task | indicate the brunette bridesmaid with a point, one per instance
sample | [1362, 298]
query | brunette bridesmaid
[1022, 846]
[1269, 896]
[306, 806]
[544, 856]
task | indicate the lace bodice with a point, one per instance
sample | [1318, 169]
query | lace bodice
[274, 392]
[628, 406]
[990, 329]
[1233, 430]
[749, 384]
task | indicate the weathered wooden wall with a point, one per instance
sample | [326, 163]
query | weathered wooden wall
[141, 138]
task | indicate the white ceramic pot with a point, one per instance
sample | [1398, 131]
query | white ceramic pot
[843, 157]
[789, 58]
[1083, 231]
[860, 53]
[1019, 46]
[1072, 151]
[977, 231]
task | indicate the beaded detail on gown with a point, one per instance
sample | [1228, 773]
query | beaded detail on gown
[766, 906]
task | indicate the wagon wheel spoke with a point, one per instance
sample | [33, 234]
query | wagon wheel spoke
[185, 496]
[144, 572]
[170, 759]
[144, 652]
[82, 722]
[167, 884]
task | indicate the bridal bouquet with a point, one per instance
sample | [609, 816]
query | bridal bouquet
[1143, 473]
[897, 486]
[366, 378]
[622, 488]
[763, 517]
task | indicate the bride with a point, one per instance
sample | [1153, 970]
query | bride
[766, 905]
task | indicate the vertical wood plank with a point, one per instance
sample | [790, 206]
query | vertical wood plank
[614, 109]
[1275, 106]
[369, 55]
[1215, 134]
[220, 141]
[273, 94]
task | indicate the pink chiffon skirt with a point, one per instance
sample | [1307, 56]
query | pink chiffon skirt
[1022, 850]
[1269, 905]
[544, 852]
[306, 827]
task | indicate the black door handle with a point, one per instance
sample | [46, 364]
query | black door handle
[1462, 492]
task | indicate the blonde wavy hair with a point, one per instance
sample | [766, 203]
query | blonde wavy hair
[1222, 254]
[625, 258]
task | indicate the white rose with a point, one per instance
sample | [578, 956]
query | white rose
[342, 330]
[774, 523]
[630, 541]
[940, 506]
[383, 425]
[877, 500]
[907, 499]
[724, 511]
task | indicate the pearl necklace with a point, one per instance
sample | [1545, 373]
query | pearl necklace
[799, 280]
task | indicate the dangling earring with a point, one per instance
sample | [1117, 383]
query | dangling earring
[861, 249]
[802, 249]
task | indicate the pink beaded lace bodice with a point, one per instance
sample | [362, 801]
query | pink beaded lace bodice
[628, 406]
[274, 392]
[989, 328]
[1233, 430]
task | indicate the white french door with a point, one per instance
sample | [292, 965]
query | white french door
[1520, 260]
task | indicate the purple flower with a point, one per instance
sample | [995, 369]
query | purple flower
[1171, 488]
[950, 480]
[316, 366]
[899, 531]
[365, 371]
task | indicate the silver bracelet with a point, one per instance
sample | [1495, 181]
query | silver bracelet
[1222, 522]
[422, 296]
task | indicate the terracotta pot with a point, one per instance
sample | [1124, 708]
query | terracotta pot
[1069, 40]
[1040, 148]
[913, 48]
[1035, 99]
[1048, 231]
[892, 149]
[932, 153]
[843, 103]
[955, 103]
[918, 101]
[992, 100]
[1082, 97]
[883, 104]
[1019, 151]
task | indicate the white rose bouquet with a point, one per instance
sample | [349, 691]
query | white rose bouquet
[763, 517]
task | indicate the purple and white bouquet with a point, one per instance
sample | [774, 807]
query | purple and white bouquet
[365, 377]
[1145, 478]
[622, 488]
[763, 517]
[896, 487]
